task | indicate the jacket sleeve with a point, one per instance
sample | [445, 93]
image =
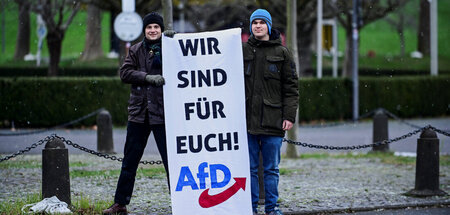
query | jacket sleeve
[289, 88]
[129, 72]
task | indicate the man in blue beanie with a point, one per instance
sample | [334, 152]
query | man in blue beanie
[271, 90]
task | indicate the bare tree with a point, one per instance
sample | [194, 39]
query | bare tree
[423, 34]
[23, 33]
[398, 21]
[52, 12]
[93, 41]
[371, 10]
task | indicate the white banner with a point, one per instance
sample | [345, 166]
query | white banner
[204, 105]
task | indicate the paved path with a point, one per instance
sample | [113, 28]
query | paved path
[344, 135]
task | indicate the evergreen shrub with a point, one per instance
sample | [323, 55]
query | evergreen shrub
[43, 101]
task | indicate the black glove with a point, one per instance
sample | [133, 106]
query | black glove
[169, 33]
[156, 80]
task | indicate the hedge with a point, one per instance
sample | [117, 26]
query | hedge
[83, 71]
[374, 72]
[406, 96]
[42, 71]
[42, 101]
[50, 101]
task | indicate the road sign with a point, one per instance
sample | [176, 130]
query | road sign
[128, 26]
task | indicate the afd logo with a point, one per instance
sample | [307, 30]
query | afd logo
[205, 200]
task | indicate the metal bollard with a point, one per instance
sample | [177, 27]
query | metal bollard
[262, 193]
[427, 166]
[380, 130]
[104, 132]
[55, 171]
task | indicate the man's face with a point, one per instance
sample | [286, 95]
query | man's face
[260, 29]
[153, 31]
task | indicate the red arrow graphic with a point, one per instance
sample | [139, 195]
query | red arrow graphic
[206, 201]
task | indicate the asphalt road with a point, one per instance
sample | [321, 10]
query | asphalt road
[343, 135]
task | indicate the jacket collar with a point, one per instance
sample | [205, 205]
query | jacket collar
[274, 40]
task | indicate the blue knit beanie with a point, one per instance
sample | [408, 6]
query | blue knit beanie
[264, 15]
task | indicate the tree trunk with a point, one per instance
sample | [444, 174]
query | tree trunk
[400, 30]
[304, 48]
[291, 42]
[167, 14]
[122, 52]
[114, 40]
[93, 43]
[54, 43]
[23, 34]
[402, 44]
[423, 33]
[347, 65]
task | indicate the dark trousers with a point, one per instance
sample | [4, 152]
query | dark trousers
[137, 136]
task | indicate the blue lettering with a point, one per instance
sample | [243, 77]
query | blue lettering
[185, 172]
[213, 169]
[202, 175]
[187, 179]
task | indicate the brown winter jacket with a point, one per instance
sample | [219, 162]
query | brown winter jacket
[144, 98]
[271, 85]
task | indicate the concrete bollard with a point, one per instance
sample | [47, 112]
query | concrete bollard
[55, 171]
[104, 133]
[427, 166]
[380, 130]
[262, 194]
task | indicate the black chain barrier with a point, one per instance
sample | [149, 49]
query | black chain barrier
[27, 149]
[399, 119]
[103, 155]
[74, 145]
[112, 157]
[53, 127]
[439, 131]
[368, 145]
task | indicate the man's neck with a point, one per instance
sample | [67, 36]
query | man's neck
[263, 38]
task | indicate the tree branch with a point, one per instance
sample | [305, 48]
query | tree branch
[75, 9]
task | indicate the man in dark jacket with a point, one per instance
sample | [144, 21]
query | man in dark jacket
[271, 90]
[142, 69]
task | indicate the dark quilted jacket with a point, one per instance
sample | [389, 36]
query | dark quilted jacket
[271, 85]
[144, 98]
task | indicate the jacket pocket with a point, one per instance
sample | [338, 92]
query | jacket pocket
[274, 64]
[272, 115]
[134, 105]
[248, 64]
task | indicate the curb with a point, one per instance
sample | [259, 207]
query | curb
[363, 209]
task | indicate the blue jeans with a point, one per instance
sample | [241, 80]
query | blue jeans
[270, 147]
